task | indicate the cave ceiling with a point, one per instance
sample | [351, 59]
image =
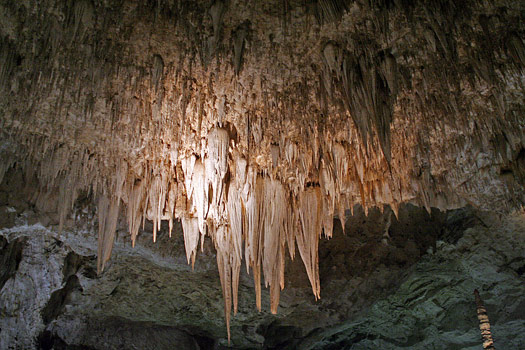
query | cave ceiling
[256, 123]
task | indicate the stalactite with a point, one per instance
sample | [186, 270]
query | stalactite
[107, 223]
[216, 13]
[272, 213]
[327, 183]
[239, 43]
[7, 64]
[170, 205]
[225, 273]
[135, 209]
[253, 193]
[237, 219]
[309, 207]
[157, 71]
[216, 165]
[190, 228]
[199, 195]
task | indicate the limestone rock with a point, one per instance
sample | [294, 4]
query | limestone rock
[296, 111]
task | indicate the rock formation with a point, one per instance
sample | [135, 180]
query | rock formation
[256, 123]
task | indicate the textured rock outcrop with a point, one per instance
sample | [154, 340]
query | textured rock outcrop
[434, 307]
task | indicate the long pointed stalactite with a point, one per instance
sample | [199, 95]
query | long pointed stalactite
[256, 131]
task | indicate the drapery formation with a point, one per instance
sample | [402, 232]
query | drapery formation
[239, 208]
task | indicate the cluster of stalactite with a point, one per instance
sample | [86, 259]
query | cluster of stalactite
[256, 123]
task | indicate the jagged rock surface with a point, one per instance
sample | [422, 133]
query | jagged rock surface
[432, 309]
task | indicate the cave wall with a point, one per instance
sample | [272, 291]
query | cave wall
[213, 112]
[433, 307]
[256, 123]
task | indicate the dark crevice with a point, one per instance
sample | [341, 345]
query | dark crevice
[457, 222]
[278, 336]
[74, 263]
[51, 341]
[379, 238]
[205, 343]
[136, 334]
[59, 299]
[10, 257]
[518, 265]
